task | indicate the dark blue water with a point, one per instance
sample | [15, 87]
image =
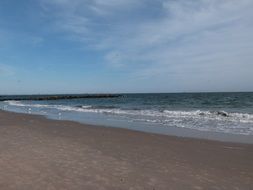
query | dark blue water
[229, 113]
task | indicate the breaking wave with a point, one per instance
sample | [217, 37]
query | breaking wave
[219, 121]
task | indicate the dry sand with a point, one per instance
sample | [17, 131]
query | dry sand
[37, 153]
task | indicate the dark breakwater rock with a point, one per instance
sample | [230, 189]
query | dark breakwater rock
[222, 113]
[57, 97]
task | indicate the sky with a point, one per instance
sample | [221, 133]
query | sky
[116, 46]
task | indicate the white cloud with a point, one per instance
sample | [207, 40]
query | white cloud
[183, 38]
[114, 59]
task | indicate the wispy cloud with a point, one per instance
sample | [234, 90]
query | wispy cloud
[184, 40]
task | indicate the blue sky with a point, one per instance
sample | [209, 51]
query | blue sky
[101, 46]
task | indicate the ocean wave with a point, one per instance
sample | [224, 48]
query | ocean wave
[219, 121]
[197, 114]
[99, 107]
[58, 107]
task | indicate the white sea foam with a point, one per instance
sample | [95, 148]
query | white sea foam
[242, 117]
[237, 123]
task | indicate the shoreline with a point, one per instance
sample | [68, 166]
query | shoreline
[140, 130]
[97, 120]
[40, 153]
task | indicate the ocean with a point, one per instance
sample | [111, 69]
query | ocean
[207, 115]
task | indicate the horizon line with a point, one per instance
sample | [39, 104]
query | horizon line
[193, 92]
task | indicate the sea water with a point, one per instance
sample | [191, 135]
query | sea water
[183, 114]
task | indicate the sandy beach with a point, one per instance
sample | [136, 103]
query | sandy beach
[38, 153]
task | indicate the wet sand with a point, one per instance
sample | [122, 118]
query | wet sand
[37, 153]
